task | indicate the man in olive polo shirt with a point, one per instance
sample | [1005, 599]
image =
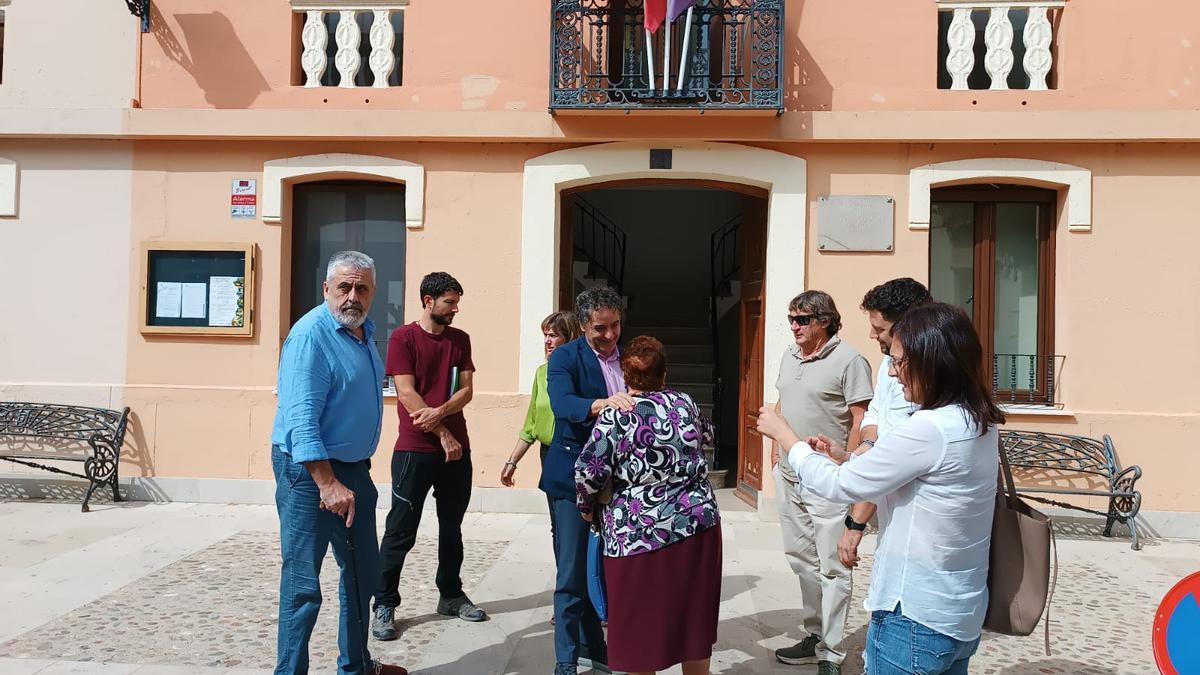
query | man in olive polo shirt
[824, 388]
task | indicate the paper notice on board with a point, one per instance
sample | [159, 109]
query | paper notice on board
[226, 301]
[194, 301]
[168, 299]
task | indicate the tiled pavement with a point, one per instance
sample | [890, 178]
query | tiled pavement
[189, 588]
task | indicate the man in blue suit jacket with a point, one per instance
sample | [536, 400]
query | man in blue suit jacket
[583, 378]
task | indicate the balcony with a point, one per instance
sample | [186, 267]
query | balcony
[980, 43]
[348, 36]
[721, 55]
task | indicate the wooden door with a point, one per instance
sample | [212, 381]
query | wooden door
[566, 252]
[751, 361]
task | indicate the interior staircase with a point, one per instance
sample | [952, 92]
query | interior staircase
[684, 320]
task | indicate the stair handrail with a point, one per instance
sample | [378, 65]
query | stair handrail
[609, 252]
[724, 262]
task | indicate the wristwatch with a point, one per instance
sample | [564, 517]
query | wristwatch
[852, 524]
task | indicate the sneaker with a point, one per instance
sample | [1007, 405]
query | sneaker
[383, 623]
[803, 652]
[462, 607]
[565, 669]
[384, 669]
[828, 668]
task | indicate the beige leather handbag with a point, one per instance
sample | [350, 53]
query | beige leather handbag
[1020, 584]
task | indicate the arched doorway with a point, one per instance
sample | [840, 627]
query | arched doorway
[771, 189]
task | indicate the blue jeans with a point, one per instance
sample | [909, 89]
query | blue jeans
[896, 644]
[576, 623]
[305, 533]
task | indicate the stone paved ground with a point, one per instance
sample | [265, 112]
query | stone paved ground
[179, 588]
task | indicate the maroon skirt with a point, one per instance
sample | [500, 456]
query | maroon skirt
[663, 605]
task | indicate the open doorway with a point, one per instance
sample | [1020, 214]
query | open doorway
[689, 258]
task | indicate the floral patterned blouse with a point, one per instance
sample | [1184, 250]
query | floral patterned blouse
[654, 456]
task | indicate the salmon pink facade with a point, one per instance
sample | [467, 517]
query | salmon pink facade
[1032, 161]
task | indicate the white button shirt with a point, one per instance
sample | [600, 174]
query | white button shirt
[888, 407]
[934, 479]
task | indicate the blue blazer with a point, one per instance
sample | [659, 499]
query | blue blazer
[573, 380]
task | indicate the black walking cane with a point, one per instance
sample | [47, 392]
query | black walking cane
[352, 561]
[367, 665]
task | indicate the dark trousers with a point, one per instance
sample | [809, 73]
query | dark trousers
[576, 623]
[305, 533]
[542, 452]
[413, 475]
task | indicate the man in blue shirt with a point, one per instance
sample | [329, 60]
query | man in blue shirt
[326, 429]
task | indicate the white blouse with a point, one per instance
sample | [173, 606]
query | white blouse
[933, 477]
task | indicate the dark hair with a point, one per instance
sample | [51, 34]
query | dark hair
[943, 355]
[820, 304]
[644, 363]
[592, 299]
[893, 298]
[437, 284]
[562, 323]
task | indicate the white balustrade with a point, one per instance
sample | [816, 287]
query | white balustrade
[347, 35]
[998, 38]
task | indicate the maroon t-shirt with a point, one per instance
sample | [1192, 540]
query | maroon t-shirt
[429, 359]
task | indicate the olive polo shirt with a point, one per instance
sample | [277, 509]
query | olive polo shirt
[815, 393]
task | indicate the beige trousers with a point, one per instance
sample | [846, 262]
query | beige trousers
[811, 529]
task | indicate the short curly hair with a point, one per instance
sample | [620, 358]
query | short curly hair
[436, 284]
[644, 364]
[593, 299]
[893, 298]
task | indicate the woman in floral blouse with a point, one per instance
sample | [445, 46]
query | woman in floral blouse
[661, 529]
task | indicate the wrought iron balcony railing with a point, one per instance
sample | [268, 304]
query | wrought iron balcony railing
[1030, 379]
[722, 54]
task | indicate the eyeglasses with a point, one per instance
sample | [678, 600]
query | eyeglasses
[802, 319]
[899, 363]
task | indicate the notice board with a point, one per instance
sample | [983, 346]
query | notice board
[197, 288]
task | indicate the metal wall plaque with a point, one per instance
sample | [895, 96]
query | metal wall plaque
[855, 223]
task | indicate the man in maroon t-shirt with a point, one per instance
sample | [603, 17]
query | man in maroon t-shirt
[431, 364]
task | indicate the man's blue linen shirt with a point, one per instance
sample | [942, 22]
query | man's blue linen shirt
[330, 391]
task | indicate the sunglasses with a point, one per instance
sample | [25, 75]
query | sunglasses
[802, 319]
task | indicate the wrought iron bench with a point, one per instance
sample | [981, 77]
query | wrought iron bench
[31, 433]
[1043, 456]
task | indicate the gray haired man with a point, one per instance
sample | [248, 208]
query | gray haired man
[326, 429]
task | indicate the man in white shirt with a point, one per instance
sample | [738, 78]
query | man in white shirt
[884, 305]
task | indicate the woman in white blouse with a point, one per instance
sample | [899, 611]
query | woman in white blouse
[934, 480]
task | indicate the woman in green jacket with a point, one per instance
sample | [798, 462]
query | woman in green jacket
[557, 329]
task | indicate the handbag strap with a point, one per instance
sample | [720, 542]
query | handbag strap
[1005, 479]
[1053, 583]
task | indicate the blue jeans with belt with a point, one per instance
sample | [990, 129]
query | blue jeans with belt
[305, 533]
[897, 645]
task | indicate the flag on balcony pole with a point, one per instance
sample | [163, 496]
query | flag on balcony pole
[655, 13]
[676, 7]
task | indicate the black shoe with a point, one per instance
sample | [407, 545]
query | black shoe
[804, 651]
[383, 623]
[828, 668]
[463, 608]
[566, 669]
